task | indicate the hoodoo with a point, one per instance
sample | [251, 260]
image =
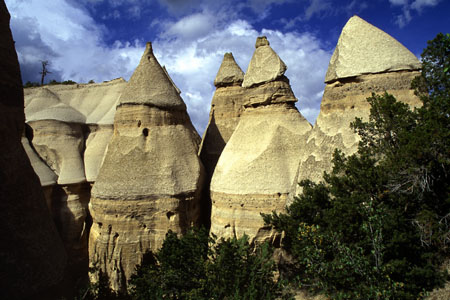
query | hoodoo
[151, 177]
[258, 164]
[226, 108]
[366, 60]
[32, 256]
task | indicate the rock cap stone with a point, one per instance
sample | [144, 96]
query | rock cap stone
[264, 66]
[365, 49]
[229, 72]
[151, 85]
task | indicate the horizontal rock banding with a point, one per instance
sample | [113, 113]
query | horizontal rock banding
[366, 61]
[258, 164]
[151, 178]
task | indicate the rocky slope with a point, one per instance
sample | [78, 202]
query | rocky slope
[151, 179]
[257, 166]
[32, 256]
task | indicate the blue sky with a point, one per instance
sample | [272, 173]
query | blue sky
[104, 39]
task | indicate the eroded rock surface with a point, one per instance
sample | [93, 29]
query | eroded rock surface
[226, 108]
[258, 165]
[344, 98]
[151, 178]
[71, 128]
[265, 65]
[32, 256]
[365, 49]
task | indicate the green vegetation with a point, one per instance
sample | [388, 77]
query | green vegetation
[66, 82]
[196, 266]
[378, 226]
[29, 84]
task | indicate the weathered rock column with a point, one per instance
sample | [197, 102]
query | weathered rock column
[151, 178]
[227, 106]
[366, 60]
[61, 144]
[257, 166]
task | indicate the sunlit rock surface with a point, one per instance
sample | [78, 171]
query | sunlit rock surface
[258, 164]
[366, 60]
[151, 178]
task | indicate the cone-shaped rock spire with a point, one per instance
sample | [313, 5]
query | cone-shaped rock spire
[258, 164]
[151, 85]
[364, 49]
[264, 66]
[229, 72]
[157, 185]
[226, 108]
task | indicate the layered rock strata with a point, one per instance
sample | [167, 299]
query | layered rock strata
[366, 60]
[71, 127]
[32, 256]
[151, 178]
[226, 108]
[258, 165]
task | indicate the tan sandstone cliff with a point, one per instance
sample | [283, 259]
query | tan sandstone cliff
[32, 256]
[366, 60]
[257, 166]
[151, 177]
[71, 127]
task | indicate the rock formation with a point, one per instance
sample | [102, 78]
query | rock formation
[257, 166]
[46, 176]
[151, 178]
[366, 60]
[32, 256]
[71, 127]
[226, 108]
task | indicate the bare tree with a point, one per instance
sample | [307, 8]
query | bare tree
[44, 71]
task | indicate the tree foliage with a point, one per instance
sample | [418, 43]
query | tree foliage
[196, 266]
[377, 227]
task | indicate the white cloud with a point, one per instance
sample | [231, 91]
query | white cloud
[417, 5]
[70, 39]
[420, 4]
[191, 48]
[399, 2]
[192, 26]
[193, 64]
[317, 7]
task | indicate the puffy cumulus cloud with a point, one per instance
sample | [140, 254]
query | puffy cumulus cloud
[193, 64]
[407, 6]
[70, 40]
[192, 26]
[191, 48]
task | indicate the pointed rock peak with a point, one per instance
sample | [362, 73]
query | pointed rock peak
[151, 85]
[364, 49]
[170, 78]
[229, 72]
[261, 41]
[265, 65]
